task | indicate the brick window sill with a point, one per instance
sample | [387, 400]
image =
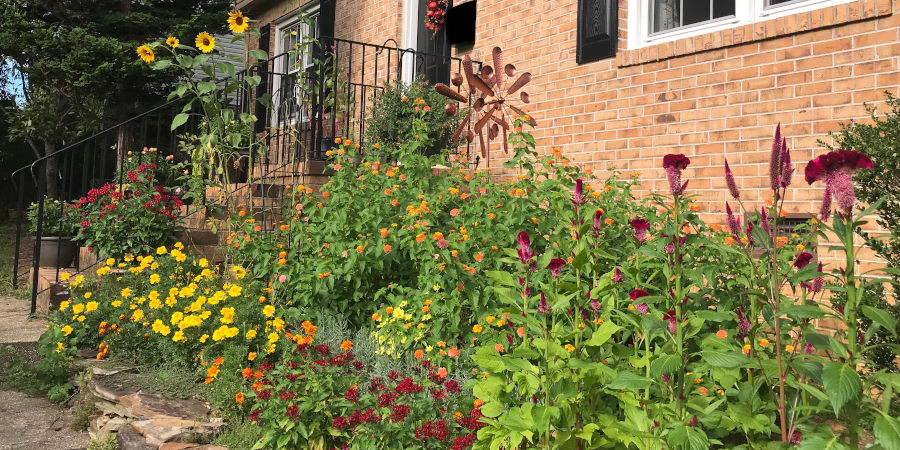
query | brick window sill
[795, 23]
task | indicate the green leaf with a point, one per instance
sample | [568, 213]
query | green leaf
[841, 383]
[664, 364]
[687, 437]
[226, 68]
[562, 390]
[517, 365]
[819, 443]
[259, 54]
[205, 86]
[803, 312]
[514, 423]
[179, 120]
[887, 431]
[492, 409]
[162, 64]
[503, 278]
[602, 334]
[628, 381]
[727, 360]
[489, 359]
[882, 318]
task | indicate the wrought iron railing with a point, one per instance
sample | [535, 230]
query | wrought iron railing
[293, 128]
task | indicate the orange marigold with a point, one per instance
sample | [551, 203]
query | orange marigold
[419, 354]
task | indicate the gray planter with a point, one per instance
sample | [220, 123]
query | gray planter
[57, 251]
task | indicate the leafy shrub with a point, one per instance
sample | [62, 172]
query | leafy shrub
[328, 397]
[107, 442]
[171, 309]
[131, 219]
[59, 218]
[396, 107]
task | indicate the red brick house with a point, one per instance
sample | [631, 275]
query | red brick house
[620, 83]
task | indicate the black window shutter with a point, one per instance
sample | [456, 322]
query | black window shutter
[262, 118]
[326, 18]
[598, 30]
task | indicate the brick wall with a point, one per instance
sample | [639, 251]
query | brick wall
[709, 97]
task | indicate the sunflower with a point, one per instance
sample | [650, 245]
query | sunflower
[146, 53]
[172, 42]
[237, 22]
[205, 42]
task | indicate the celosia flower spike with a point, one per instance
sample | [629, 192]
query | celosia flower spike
[836, 169]
[640, 228]
[817, 281]
[555, 266]
[579, 193]
[598, 216]
[734, 223]
[825, 209]
[543, 307]
[729, 181]
[775, 166]
[787, 169]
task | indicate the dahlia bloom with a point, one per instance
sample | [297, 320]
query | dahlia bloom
[836, 169]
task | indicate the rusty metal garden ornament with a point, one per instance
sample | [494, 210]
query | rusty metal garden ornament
[491, 109]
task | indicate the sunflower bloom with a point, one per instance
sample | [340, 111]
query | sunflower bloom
[237, 22]
[146, 54]
[205, 42]
[172, 42]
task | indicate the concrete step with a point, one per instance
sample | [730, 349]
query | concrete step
[51, 290]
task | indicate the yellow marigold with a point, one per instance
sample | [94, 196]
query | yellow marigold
[234, 291]
[154, 278]
[476, 328]
[91, 306]
[273, 337]
[63, 305]
[269, 310]
[67, 330]
[78, 308]
[251, 334]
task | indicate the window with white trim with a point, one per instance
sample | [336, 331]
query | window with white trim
[652, 22]
[289, 36]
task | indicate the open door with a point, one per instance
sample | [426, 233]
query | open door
[436, 69]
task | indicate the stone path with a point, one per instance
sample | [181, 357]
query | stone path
[30, 423]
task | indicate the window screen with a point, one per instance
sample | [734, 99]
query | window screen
[671, 14]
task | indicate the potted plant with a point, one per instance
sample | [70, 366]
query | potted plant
[58, 228]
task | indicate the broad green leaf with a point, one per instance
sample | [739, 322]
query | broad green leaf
[664, 364]
[514, 423]
[842, 384]
[162, 64]
[803, 312]
[628, 381]
[205, 86]
[517, 365]
[492, 409]
[179, 120]
[563, 389]
[820, 443]
[489, 359]
[259, 54]
[882, 318]
[725, 359]
[688, 437]
[226, 68]
[887, 431]
[602, 334]
[503, 278]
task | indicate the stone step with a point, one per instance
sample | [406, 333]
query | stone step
[51, 290]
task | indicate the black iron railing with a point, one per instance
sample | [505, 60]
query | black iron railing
[295, 128]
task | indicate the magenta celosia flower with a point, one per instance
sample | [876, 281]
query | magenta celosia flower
[803, 260]
[637, 293]
[642, 308]
[665, 378]
[674, 164]
[787, 169]
[775, 166]
[693, 421]
[640, 228]
[598, 222]
[734, 223]
[817, 281]
[809, 349]
[670, 317]
[670, 248]
[525, 253]
[555, 266]
[543, 307]
[797, 438]
[836, 169]
[729, 181]
[595, 305]
[617, 275]
[749, 231]
[825, 209]
[579, 193]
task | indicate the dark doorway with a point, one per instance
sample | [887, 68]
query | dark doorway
[435, 69]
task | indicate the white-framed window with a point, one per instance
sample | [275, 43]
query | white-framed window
[288, 36]
[652, 22]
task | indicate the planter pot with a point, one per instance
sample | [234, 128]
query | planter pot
[13, 213]
[57, 251]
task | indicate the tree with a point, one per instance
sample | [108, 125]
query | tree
[82, 71]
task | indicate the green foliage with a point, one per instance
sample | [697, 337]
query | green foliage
[396, 107]
[81, 416]
[132, 219]
[239, 436]
[107, 442]
[59, 218]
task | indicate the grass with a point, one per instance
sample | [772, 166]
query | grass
[81, 417]
[241, 436]
[17, 375]
[7, 255]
